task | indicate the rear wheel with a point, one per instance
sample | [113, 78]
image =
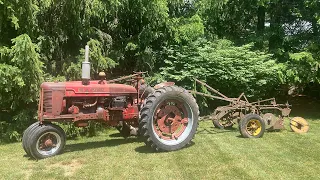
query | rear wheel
[46, 140]
[145, 90]
[169, 118]
[252, 126]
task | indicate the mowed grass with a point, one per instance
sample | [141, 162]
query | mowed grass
[214, 154]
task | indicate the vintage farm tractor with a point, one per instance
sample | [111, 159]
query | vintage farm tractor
[165, 116]
[253, 118]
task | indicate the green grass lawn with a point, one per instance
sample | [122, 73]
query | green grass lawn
[215, 154]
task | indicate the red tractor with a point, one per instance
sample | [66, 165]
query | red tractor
[166, 116]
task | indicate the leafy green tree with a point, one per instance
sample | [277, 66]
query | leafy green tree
[44, 39]
[301, 69]
[21, 76]
[98, 60]
[222, 65]
[17, 17]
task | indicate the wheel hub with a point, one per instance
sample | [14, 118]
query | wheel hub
[169, 120]
[47, 142]
[299, 125]
[254, 127]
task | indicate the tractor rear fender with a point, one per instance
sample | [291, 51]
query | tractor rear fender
[164, 84]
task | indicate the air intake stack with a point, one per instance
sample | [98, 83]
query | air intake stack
[86, 68]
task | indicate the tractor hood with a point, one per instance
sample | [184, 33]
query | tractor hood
[77, 89]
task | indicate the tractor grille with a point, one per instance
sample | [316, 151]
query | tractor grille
[47, 101]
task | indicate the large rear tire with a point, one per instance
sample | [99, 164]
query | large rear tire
[46, 140]
[169, 118]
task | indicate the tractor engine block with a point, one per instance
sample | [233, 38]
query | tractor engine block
[78, 103]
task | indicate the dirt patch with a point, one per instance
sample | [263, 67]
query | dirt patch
[69, 167]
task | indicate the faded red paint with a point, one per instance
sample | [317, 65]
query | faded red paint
[65, 101]
[170, 120]
[94, 89]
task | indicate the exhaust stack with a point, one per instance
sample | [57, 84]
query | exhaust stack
[86, 67]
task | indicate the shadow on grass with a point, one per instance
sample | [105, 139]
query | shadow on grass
[239, 136]
[99, 144]
[115, 135]
[145, 149]
[213, 130]
[29, 157]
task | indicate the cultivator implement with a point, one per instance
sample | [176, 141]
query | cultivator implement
[253, 117]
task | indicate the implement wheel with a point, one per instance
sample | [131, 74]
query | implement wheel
[222, 124]
[252, 126]
[299, 125]
[169, 118]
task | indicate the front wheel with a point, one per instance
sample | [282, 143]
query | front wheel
[46, 140]
[169, 118]
[26, 135]
[252, 126]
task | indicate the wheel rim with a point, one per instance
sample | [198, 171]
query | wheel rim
[172, 121]
[299, 125]
[225, 123]
[254, 127]
[48, 143]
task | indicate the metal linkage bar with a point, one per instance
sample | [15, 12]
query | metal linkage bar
[270, 99]
[212, 89]
[122, 78]
[211, 96]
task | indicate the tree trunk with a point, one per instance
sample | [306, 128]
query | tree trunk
[315, 27]
[275, 38]
[261, 20]
[261, 15]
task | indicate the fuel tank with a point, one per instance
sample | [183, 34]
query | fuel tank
[94, 89]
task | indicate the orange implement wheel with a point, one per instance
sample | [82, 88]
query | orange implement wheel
[299, 125]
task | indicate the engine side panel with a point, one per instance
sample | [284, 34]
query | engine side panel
[72, 101]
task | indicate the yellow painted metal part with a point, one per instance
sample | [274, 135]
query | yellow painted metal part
[254, 127]
[299, 125]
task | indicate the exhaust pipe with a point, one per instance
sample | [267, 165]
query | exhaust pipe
[86, 67]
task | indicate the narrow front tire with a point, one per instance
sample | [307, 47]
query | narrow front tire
[47, 140]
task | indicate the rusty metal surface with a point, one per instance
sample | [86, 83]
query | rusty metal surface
[299, 125]
[271, 112]
[74, 102]
[163, 85]
[171, 119]
[270, 120]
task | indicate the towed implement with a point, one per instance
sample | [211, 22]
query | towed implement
[165, 116]
[253, 117]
